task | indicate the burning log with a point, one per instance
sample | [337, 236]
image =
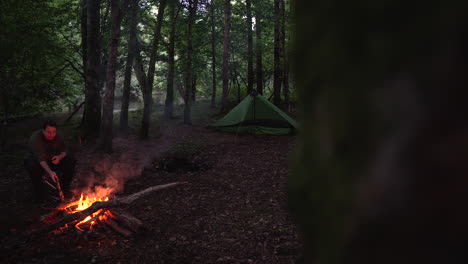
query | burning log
[126, 224]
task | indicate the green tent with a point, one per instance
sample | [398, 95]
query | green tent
[256, 115]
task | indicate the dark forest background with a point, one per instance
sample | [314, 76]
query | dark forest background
[379, 172]
[58, 56]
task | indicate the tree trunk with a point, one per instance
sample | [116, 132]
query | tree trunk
[189, 76]
[84, 49]
[226, 46]
[128, 67]
[258, 46]
[285, 55]
[105, 141]
[92, 111]
[213, 55]
[83, 28]
[277, 74]
[140, 71]
[105, 27]
[194, 87]
[250, 71]
[235, 80]
[148, 99]
[380, 172]
[169, 103]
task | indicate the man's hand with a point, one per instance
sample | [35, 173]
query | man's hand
[56, 159]
[53, 176]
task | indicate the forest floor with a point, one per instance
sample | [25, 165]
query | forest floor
[233, 210]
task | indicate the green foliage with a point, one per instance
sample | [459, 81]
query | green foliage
[40, 49]
[36, 52]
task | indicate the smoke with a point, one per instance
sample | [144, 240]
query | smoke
[103, 175]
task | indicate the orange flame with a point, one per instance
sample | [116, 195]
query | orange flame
[81, 205]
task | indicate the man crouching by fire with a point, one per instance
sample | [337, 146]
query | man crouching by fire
[49, 164]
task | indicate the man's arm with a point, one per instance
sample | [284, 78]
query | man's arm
[56, 159]
[51, 173]
[60, 146]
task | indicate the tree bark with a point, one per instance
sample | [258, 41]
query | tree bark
[194, 88]
[193, 4]
[133, 223]
[148, 100]
[169, 102]
[104, 29]
[84, 49]
[258, 46]
[213, 55]
[277, 74]
[128, 67]
[285, 55]
[380, 174]
[140, 72]
[105, 141]
[250, 55]
[83, 29]
[226, 46]
[92, 111]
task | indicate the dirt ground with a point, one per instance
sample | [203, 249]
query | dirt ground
[233, 210]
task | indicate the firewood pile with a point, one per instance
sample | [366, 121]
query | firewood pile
[92, 216]
[106, 219]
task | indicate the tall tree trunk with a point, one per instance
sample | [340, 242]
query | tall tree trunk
[139, 71]
[104, 28]
[83, 29]
[105, 140]
[92, 110]
[84, 39]
[286, 81]
[189, 76]
[194, 87]
[259, 54]
[226, 46]
[148, 99]
[235, 80]
[277, 74]
[169, 103]
[285, 55]
[250, 71]
[128, 67]
[213, 56]
[380, 174]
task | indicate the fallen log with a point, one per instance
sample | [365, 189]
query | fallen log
[79, 216]
[128, 220]
[118, 228]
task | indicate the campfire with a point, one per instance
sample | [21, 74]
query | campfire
[84, 202]
[94, 212]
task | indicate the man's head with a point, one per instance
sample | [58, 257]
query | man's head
[49, 129]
